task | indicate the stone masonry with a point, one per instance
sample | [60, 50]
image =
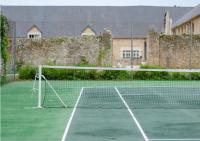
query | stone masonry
[180, 52]
[58, 51]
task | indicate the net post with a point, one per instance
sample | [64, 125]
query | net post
[39, 86]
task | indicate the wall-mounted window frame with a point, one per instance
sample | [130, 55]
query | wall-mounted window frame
[126, 54]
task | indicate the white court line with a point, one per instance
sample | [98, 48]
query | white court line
[136, 94]
[174, 139]
[165, 86]
[99, 87]
[158, 94]
[132, 115]
[71, 117]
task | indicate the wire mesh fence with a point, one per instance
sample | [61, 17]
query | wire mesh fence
[11, 65]
[126, 46]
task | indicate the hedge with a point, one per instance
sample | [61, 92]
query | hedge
[28, 72]
[147, 66]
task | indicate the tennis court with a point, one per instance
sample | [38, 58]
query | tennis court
[136, 113]
[141, 110]
[84, 107]
[133, 110]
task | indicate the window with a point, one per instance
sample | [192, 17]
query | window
[145, 50]
[31, 36]
[34, 36]
[127, 54]
[187, 29]
[179, 31]
[192, 28]
[88, 34]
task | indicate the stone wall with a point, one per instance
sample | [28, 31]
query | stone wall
[105, 49]
[153, 48]
[59, 51]
[174, 51]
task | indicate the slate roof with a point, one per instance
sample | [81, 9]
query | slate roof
[190, 15]
[71, 20]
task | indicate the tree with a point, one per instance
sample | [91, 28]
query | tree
[4, 43]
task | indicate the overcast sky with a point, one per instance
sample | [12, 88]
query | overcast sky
[103, 2]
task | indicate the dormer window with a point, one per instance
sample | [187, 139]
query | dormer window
[88, 31]
[34, 33]
[34, 36]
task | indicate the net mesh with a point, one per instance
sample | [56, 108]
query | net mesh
[146, 89]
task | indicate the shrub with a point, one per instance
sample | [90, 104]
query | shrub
[179, 76]
[19, 64]
[147, 75]
[195, 76]
[114, 75]
[151, 67]
[27, 72]
[3, 80]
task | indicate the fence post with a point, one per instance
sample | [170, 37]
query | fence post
[190, 45]
[132, 46]
[40, 87]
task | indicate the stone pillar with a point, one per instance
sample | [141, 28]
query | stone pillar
[153, 48]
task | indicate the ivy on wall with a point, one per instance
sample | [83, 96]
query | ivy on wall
[104, 47]
[178, 37]
[173, 40]
[4, 42]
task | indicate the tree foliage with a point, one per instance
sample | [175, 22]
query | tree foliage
[4, 42]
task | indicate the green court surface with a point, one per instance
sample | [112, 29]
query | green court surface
[103, 111]
[21, 122]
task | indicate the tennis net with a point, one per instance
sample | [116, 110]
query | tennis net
[93, 87]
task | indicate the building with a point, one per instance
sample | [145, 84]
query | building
[129, 25]
[189, 23]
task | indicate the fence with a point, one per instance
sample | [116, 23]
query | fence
[124, 45]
